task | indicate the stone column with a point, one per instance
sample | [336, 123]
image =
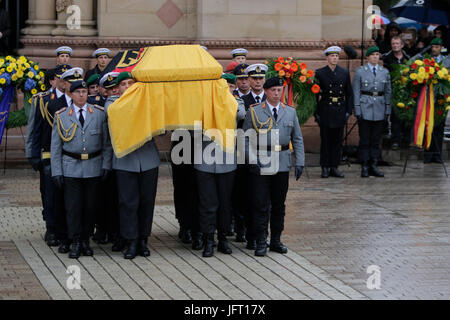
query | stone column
[42, 17]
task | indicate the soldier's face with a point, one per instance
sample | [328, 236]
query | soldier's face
[114, 91]
[53, 82]
[102, 61]
[125, 84]
[93, 89]
[374, 58]
[243, 84]
[436, 50]
[60, 84]
[80, 97]
[333, 59]
[232, 87]
[63, 58]
[274, 95]
[257, 83]
[240, 59]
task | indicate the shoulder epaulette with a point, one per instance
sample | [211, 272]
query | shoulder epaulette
[61, 110]
[96, 106]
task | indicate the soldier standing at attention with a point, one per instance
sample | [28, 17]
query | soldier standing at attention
[94, 90]
[137, 180]
[102, 56]
[239, 55]
[257, 77]
[63, 55]
[81, 157]
[242, 84]
[334, 107]
[372, 98]
[270, 179]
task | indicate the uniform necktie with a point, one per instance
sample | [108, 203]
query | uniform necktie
[374, 71]
[81, 118]
[257, 99]
[275, 115]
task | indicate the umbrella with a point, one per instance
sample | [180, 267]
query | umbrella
[408, 23]
[379, 19]
[423, 11]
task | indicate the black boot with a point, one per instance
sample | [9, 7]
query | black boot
[325, 172]
[208, 251]
[276, 245]
[119, 244]
[197, 241]
[132, 250]
[365, 170]
[186, 236]
[373, 170]
[75, 251]
[144, 251]
[334, 172]
[64, 247]
[251, 244]
[86, 250]
[52, 240]
[223, 244]
[261, 247]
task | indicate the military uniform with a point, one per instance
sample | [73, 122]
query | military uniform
[97, 99]
[80, 156]
[215, 183]
[96, 70]
[333, 109]
[269, 175]
[240, 73]
[372, 98]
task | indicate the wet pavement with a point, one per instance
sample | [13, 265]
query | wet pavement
[335, 229]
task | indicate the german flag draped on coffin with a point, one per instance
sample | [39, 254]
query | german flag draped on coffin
[177, 85]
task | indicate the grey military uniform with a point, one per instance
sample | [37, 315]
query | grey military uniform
[372, 107]
[143, 159]
[289, 130]
[90, 138]
[223, 166]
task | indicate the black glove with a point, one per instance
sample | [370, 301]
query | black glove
[298, 172]
[105, 174]
[59, 181]
[36, 163]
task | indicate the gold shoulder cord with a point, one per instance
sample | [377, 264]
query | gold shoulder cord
[66, 132]
[44, 111]
[255, 120]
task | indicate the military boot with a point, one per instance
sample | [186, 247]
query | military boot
[208, 250]
[325, 172]
[197, 241]
[75, 251]
[365, 170]
[132, 250]
[223, 244]
[373, 171]
[261, 247]
[276, 245]
[334, 172]
[144, 251]
[86, 249]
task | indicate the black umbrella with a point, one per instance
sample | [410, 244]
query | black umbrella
[424, 11]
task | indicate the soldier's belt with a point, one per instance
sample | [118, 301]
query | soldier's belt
[374, 94]
[82, 156]
[46, 155]
[335, 99]
[277, 148]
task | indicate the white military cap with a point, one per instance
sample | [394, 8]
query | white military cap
[239, 52]
[62, 50]
[256, 70]
[73, 75]
[100, 52]
[109, 80]
[333, 49]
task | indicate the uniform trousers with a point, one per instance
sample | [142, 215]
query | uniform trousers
[242, 209]
[137, 194]
[215, 192]
[185, 196]
[330, 146]
[81, 197]
[370, 134]
[55, 212]
[268, 196]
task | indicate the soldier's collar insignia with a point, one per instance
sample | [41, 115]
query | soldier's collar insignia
[70, 112]
[90, 110]
[97, 98]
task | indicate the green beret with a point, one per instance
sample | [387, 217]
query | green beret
[436, 41]
[124, 76]
[231, 78]
[372, 50]
[94, 79]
